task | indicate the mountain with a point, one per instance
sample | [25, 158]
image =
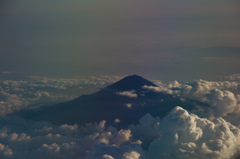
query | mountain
[129, 83]
[125, 100]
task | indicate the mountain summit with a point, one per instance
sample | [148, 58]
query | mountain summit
[133, 82]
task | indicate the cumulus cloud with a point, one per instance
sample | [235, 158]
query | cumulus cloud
[178, 135]
[220, 95]
[131, 155]
[186, 135]
[198, 89]
[5, 152]
[224, 102]
[105, 156]
[42, 140]
[130, 94]
[122, 137]
[130, 151]
[146, 130]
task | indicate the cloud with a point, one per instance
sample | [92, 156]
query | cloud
[105, 156]
[186, 135]
[122, 137]
[16, 95]
[162, 89]
[117, 121]
[61, 83]
[146, 130]
[234, 77]
[224, 102]
[5, 151]
[6, 72]
[23, 139]
[131, 155]
[178, 135]
[42, 140]
[130, 94]
[220, 95]
[131, 151]
[129, 105]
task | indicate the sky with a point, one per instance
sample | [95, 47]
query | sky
[53, 51]
[166, 40]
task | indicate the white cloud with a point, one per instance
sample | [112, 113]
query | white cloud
[131, 155]
[183, 135]
[131, 150]
[186, 135]
[147, 130]
[69, 129]
[117, 121]
[105, 156]
[130, 94]
[162, 89]
[178, 135]
[42, 140]
[220, 95]
[122, 136]
[129, 105]
[224, 102]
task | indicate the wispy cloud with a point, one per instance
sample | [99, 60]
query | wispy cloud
[6, 72]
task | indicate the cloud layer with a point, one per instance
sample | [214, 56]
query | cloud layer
[178, 135]
[222, 96]
[36, 91]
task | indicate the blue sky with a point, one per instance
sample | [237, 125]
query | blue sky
[167, 40]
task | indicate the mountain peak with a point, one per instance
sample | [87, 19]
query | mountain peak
[132, 82]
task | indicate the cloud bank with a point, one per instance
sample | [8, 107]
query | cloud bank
[36, 91]
[178, 135]
[221, 96]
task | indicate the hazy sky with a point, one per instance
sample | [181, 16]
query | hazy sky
[163, 39]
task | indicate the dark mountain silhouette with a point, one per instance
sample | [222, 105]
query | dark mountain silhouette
[108, 105]
[129, 83]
